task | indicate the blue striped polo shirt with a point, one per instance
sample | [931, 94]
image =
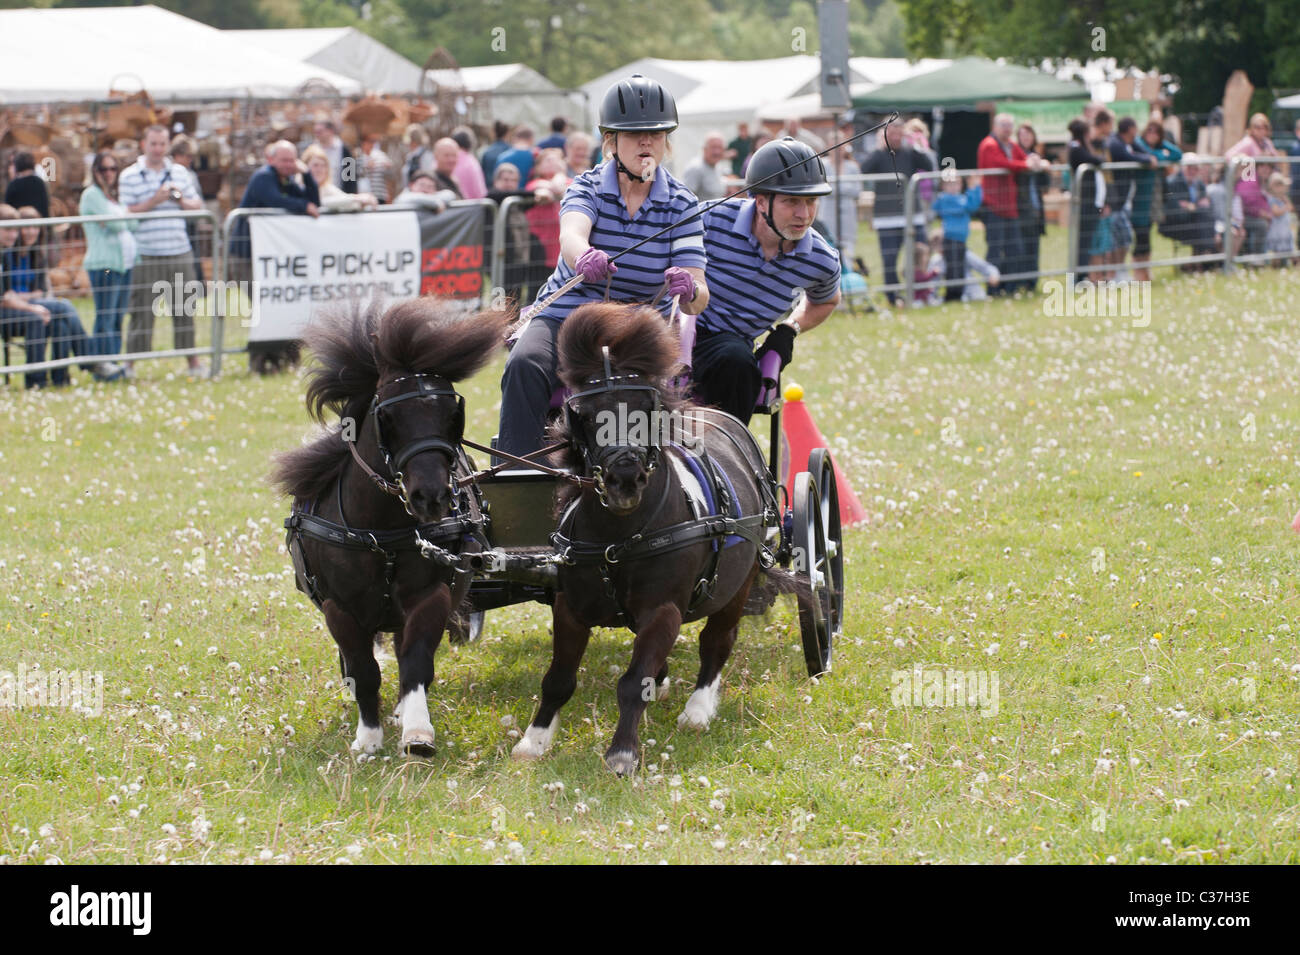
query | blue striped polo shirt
[747, 292]
[640, 274]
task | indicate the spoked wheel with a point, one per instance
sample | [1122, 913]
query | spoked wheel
[465, 628]
[810, 563]
[822, 467]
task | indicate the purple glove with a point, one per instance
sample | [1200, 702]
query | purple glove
[594, 266]
[680, 282]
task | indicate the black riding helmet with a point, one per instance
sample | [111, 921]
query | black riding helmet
[794, 169]
[637, 105]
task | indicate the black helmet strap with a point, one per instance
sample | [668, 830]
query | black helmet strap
[623, 169]
[771, 223]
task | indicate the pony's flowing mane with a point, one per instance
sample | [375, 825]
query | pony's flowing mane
[353, 346]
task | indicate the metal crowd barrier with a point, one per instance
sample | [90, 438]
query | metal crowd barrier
[74, 329]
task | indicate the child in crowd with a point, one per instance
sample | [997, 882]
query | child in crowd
[1279, 237]
[955, 207]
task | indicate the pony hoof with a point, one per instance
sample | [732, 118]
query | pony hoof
[536, 741]
[700, 708]
[621, 761]
[369, 739]
[418, 743]
[695, 718]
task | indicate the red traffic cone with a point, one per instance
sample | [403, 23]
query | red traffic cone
[799, 436]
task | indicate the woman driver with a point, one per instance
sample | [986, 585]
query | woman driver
[625, 199]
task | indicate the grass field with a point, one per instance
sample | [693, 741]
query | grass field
[1096, 515]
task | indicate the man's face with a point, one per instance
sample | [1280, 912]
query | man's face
[285, 162]
[155, 147]
[1103, 128]
[1261, 128]
[424, 185]
[744, 130]
[507, 180]
[445, 155]
[1002, 129]
[793, 215]
[324, 135]
[714, 147]
[894, 135]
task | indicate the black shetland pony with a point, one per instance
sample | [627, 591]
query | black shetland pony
[635, 551]
[375, 500]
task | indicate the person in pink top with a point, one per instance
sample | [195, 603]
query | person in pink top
[468, 173]
[1254, 202]
[547, 186]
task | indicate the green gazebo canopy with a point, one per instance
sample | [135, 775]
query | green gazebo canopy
[969, 81]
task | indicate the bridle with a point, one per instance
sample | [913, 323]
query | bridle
[594, 457]
[427, 386]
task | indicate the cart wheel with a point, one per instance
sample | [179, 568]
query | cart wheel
[811, 563]
[821, 466]
[462, 628]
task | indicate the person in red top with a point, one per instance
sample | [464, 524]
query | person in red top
[547, 186]
[999, 150]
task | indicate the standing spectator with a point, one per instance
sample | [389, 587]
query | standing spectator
[1103, 239]
[280, 184]
[182, 152]
[150, 184]
[467, 172]
[955, 208]
[446, 154]
[999, 151]
[559, 126]
[762, 139]
[25, 187]
[887, 216]
[547, 187]
[377, 166]
[739, 150]
[1119, 146]
[342, 164]
[1030, 189]
[701, 174]
[1279, 237]
[419, 157]
[499, 145]
[521, 152]
[1294, 171]
[26, 280]
[331, 196]
[795, 128]
[1254, 203]
[1091, 188]
[110, 253]
[577, 154]
[844, 194]
[1151, 142]
[1188, 217]
[523, 253]
[916, 135]
[423, 192]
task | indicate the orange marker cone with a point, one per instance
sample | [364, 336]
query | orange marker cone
[799, 436]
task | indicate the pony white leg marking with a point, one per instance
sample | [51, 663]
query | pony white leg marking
[622, 761]
[664, 688]
[701, 707]
[369, 738]
[537, 740]
[413, 712]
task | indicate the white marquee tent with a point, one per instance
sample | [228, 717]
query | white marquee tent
[66, 55]
[343, 50]
[516, 94]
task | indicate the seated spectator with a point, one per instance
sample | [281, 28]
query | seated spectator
[521, 153]
[577, 154]
[342, 166]
[446, 154]
[18, 317]
[701, 173]
[25, 187]
[972, 290]
[423, 191]
[110, 254]
[26, 288]
[559, 126]
[467, 172]
[524, 254]
[493, 153]
[547, 186]
[1188, 216]
[331, 196]
[955, 207]
[1256, 214]
[1279, 237]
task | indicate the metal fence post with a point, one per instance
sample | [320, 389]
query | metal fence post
[1075, 222]
[220, 288]
[909, 241]
[1229, 192]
